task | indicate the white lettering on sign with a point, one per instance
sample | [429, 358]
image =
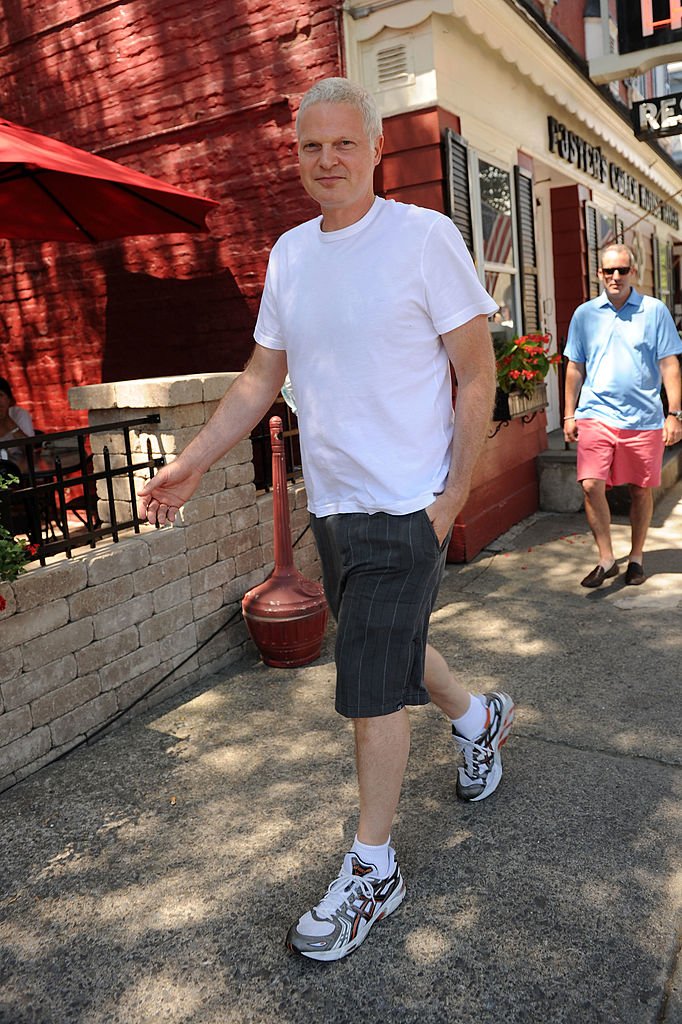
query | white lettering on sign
[660, 114]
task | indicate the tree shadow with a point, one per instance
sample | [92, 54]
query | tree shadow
[159, 871]
[170, 314]
[207, 124]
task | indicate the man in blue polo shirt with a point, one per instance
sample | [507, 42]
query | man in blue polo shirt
[621, 347]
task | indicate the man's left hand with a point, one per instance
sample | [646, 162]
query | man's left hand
[442, 514]
[672, 431]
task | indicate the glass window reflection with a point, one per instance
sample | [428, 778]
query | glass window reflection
[496, 207]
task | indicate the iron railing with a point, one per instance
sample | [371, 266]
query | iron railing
[39, 506]
[262, 452]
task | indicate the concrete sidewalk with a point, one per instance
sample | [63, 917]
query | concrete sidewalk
[153, 876]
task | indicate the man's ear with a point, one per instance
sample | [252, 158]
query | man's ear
[378, 149]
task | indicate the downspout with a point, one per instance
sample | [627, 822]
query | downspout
[340, 48]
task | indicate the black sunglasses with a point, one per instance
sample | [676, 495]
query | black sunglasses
[610, 271]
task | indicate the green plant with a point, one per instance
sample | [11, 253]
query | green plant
[14, 554]
[524, 362]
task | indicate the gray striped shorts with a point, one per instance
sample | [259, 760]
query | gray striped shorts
[381, 575]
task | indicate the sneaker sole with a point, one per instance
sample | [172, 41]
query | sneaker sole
[503, 736]
[338, 954]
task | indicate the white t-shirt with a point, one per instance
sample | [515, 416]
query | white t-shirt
[359, 313]
[22, 418]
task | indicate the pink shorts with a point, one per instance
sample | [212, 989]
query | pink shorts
[619, 456]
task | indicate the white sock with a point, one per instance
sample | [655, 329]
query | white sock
[380, 856]
[472, 722]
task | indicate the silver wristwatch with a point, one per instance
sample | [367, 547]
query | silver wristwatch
[677, 413]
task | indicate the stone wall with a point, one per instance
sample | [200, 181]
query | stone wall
[82, 639]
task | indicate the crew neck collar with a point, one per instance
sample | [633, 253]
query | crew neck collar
[352, 229]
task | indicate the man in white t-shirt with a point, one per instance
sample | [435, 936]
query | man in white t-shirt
[367, 306]
[15, 422]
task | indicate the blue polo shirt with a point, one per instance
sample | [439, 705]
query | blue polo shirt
[621, 349]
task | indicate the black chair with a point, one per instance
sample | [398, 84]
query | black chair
[31, 514]
[85, 499]
[13, 517]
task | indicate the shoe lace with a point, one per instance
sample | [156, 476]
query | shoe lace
[340, 890]
[477, 758]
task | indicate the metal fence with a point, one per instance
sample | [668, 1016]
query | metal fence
[56, 502]
[262, 452]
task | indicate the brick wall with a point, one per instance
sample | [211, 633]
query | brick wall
[83, 638]
[201, 95]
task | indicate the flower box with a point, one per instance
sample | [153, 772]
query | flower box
[523, 405]
[509, 406]
[522, 365]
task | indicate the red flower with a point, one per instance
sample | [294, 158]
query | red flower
[3, 603]
[524, 362]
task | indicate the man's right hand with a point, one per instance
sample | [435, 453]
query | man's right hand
[570, 429]
[244, 405]
[164, 495]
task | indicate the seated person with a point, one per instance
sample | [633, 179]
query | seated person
[14, 421]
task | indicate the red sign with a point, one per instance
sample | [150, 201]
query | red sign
[643, 24]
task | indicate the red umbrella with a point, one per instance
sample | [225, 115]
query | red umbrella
[52, 191]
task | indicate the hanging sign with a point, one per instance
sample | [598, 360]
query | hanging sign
[658, 117]
[644, 24]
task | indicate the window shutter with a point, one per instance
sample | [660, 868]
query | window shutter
[528, 263]
[457, 181]
[620, 231]
[593, 283]
[657, 267]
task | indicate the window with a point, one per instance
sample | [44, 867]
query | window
[496, 242]
[495, 212]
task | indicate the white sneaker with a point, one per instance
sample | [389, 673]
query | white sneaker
[353, 903]
[482, 770]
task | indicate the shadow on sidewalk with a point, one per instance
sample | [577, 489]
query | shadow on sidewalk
[155, 874]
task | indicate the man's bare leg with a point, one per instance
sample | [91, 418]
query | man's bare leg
[445, 691]
[479, 725]
[372, 890]
[599, 519]
[641, 511]
[382, 746]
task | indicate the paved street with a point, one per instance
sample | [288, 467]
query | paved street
[153, 876]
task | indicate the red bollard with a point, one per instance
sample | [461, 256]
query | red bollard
[286, 616]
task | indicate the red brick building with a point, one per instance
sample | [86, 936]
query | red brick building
[202, 96]
[476, 95]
